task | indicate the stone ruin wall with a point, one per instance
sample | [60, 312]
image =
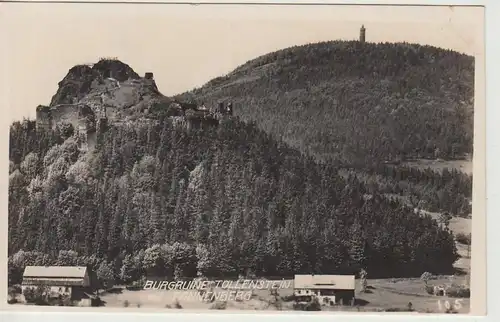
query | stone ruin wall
[192, 116]
[79, 116]
[43, 119]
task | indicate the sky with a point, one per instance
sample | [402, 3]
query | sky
[185, 46]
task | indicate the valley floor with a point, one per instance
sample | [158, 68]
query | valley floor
[382, 295]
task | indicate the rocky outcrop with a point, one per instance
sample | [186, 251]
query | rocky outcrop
[82, 79]
[74, 86]
[115, 69]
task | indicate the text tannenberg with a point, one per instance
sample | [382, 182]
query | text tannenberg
[224, 284]
[204, 290]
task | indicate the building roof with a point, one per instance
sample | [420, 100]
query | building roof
[54, 281]
[54, 272]
[338, 282]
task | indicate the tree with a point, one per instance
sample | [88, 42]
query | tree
[67, 258]
[128, 271]
[15, 273]
[445, 218]
[425, 277]
[105, 275]
[153, 262]
[363, 276]
[184, 260]
[357, 248]
[204, 264]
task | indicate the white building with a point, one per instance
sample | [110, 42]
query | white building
[328, 289]
[66, 281]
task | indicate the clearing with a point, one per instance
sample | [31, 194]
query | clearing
[464, 166]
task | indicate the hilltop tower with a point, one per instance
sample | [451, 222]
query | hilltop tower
[362, 34]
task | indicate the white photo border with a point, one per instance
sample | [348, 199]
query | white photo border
[492, 51]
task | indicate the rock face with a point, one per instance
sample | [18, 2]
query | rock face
[75, 85]
[81, 79]
[115, 69]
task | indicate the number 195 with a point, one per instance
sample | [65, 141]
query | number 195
[446, 305]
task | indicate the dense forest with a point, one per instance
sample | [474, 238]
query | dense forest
[361, 105]
[446, 191]
[155, 200]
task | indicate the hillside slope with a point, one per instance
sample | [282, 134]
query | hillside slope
[366, 107]
[357, 103]
[155, 199]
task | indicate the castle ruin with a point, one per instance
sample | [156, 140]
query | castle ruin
[79, 116]
[200, 117]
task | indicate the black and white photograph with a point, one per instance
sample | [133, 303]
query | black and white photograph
[245, 157]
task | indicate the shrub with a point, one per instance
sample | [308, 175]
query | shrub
[460, 291]
[288, 298]
[12, 293]
[65, 301]
[126, 303]
[219, 306]
[463, 238]
[311, 306]
[97, 301]
[36, 295]
[29, 294]
[177, 305]
[14, 290]
[397, 309]
[429, 289]
[276, 302]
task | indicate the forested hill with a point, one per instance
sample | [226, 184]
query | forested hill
[151, 198]
[359, 103]
[221, 201]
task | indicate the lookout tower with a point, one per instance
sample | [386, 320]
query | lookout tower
[362, 34]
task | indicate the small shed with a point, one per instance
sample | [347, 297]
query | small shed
[328, 289]
[65, 281]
